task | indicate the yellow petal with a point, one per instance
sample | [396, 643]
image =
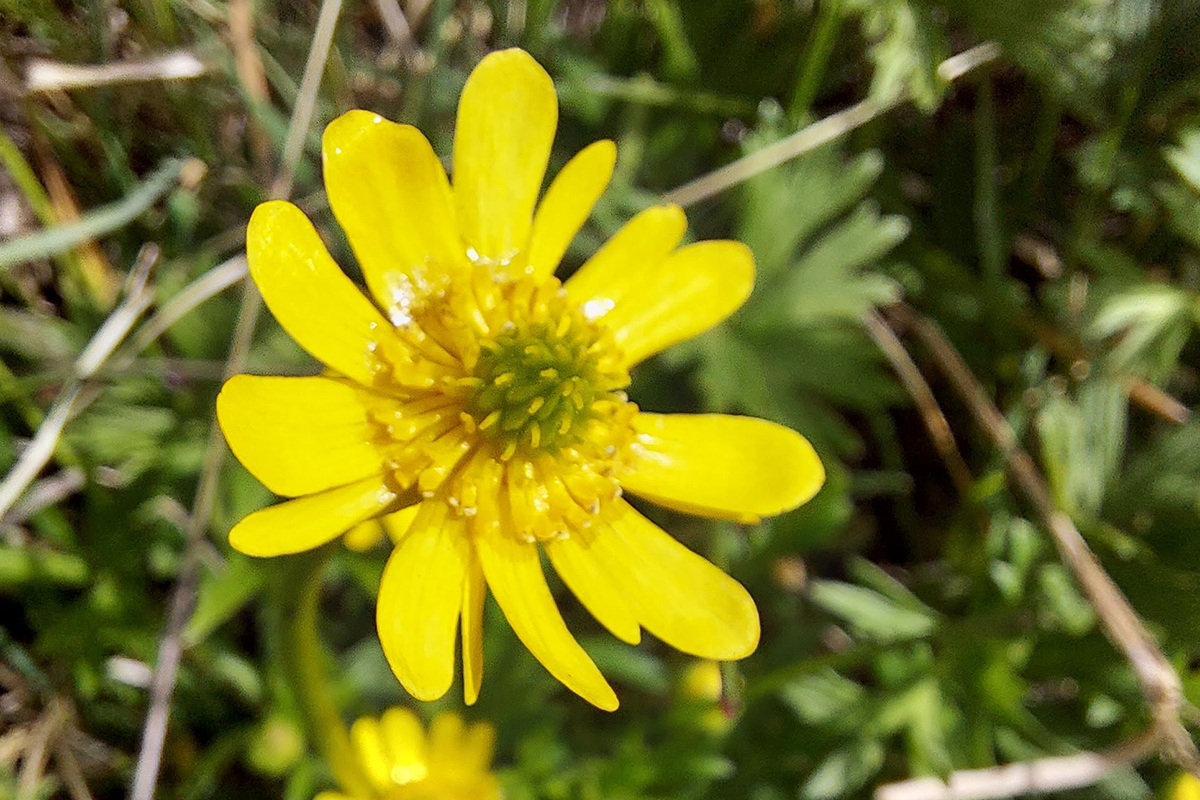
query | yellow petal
[420, 596]
[364, 536]
[333, 796]
[474, 593]
[594, 587]
[616, 268]
[506, 120]
[1185, 787]
[310, 521]
[721, 466]
[399, 522]
[309, 295]
[372, 752]
[445, 743]
[567, 204]
[298, 435]
[405, 739]
[390, 194]
[678, 596]
[478, 742]
[515, 577]
[693, 289]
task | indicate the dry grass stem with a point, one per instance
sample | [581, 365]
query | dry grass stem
[50, 76]
[927, 405]
[170, 649]
[114, 330]
[1055, 774]
[819, 133]
[1159, 681]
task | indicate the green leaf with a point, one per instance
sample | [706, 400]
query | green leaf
[825, 698]
[1146, 326]
[1064, 604]
[844, 771]
[908, 43]
[1185, 159]
[830, 280]
[1082, 443]
[222, 595]
[870, 614]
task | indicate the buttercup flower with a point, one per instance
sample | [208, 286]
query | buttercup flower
[482, 402]
[402, 763]
[1185, 787]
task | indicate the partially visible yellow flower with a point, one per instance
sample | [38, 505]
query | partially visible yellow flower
[701, 680]
[402, 763]
[365, 535]
[700, 685]
[1186, 787]
[487, 399]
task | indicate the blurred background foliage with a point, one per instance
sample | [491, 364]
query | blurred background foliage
[1043, 210]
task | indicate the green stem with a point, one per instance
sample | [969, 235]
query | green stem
[304, 661]
[993, 250]
[1042, 151]
[816, 59]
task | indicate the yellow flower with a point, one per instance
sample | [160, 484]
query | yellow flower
[1186, 787]
[700, 687]
[402, 763]
[487, 400]
[702, 681]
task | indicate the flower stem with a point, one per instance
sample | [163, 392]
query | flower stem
[304, 661]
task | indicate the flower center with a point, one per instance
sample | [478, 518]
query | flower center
[543, 382]
[502, 397]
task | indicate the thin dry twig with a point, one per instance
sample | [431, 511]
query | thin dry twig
[392, 16]
[78, 393]
[1159, 682]
[118, 324]
[70, 771]
[42, 75]
[927, 405]
[306, 99]
[170, 649]
[208, 285]
[37, 751]
[1156, 401]
[819, 133]
[1055, 774]
[43, 494]
[250, 71]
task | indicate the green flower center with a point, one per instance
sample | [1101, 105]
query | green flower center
[539, 385]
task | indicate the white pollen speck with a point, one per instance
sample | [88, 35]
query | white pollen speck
[377, 119]
[337, 151]
[594, 309]
[403, 295]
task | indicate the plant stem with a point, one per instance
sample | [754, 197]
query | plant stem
[304, 661]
